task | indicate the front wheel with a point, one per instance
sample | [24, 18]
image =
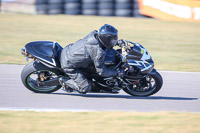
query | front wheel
[35, 72]
[150, 85]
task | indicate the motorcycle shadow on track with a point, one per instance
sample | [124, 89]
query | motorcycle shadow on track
[125, 96]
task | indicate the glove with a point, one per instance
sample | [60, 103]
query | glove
[120, 42]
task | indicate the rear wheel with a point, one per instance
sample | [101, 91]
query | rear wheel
[146, 87]
[35, 72]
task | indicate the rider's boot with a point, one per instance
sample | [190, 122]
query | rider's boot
[69, 85]
[66, 88]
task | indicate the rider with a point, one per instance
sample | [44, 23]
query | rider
[89, 51]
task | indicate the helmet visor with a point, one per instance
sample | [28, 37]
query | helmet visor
[109, 40]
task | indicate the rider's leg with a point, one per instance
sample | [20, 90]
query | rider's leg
[77, 80]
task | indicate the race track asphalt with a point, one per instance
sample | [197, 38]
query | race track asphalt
[180, 92]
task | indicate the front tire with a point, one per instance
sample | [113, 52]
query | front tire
[148, 86]
[31, 74]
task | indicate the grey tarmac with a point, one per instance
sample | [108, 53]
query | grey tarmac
[180, 92]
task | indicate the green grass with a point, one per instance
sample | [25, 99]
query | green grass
[98, 122]
[173, 45]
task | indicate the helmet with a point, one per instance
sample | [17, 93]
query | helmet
[108, 36]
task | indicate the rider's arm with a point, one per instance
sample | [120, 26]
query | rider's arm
[98, 58]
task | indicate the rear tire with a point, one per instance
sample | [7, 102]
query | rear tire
[152, 90]
[32, 69]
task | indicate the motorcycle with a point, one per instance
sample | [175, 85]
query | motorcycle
[140, 77]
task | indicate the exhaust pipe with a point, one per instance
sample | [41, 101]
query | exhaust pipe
[51, 82]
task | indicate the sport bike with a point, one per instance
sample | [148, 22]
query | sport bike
[139, 77]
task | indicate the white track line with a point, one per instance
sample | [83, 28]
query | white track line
[179, 72]
[45, 110]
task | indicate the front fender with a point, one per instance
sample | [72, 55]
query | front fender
[154, 71]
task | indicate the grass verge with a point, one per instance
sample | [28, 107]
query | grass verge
[173, 45]
[98, 122]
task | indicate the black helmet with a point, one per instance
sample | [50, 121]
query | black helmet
[108, 36]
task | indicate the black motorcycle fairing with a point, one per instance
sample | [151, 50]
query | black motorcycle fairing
[110, 57]
[139, 57]
[144, 66]
[46, 51]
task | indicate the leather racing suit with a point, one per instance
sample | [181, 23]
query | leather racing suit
[81, 54]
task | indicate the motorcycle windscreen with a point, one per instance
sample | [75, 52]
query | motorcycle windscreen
[42, 50]
[136, 53]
